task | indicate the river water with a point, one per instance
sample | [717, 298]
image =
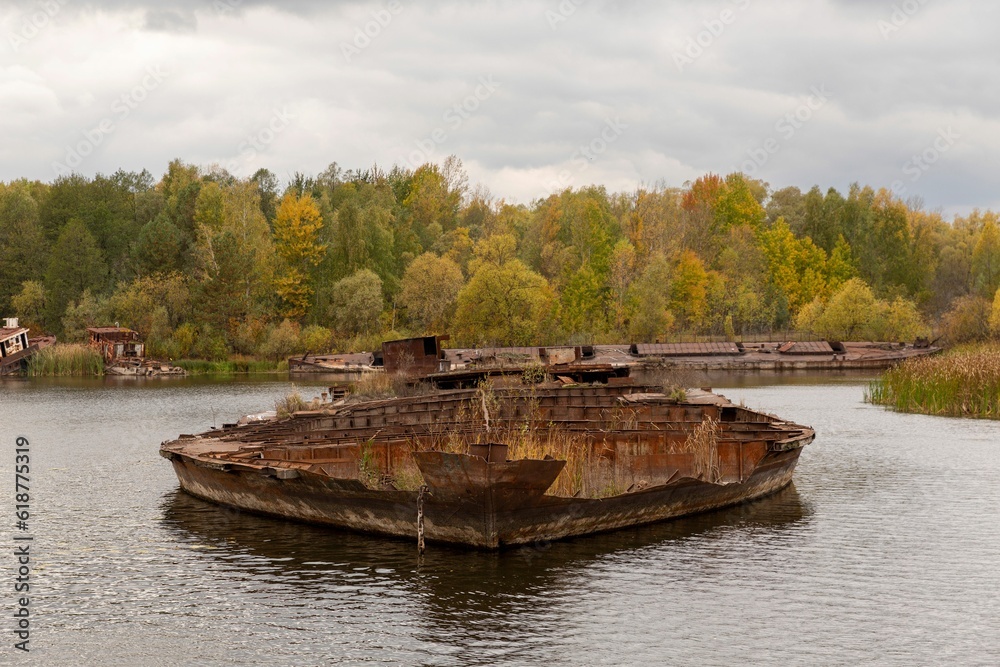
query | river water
[886, 551]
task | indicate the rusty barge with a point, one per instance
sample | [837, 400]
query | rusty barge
[496, 467]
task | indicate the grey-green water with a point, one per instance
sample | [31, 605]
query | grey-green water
[886, 551]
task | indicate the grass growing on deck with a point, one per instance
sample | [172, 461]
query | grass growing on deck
[66, 360]
[964, 382]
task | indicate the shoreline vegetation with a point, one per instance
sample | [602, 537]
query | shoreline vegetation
[207, 265]
[962, 382]
[79, 360]
[66, 360]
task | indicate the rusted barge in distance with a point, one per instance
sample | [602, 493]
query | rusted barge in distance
[496, 467]
[736, 356]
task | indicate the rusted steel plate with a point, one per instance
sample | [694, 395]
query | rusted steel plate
[806, 347]
[685, 349]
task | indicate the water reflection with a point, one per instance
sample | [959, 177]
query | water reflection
[452, 583]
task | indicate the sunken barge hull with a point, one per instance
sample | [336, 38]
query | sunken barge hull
[626, 457]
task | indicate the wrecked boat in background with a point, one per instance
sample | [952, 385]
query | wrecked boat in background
[15, 347]
[461, 366]
[490, 468]
[123, 353]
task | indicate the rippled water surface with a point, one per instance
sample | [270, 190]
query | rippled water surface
[885, 551]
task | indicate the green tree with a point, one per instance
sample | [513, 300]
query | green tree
[738, 203]
[152, 305]
[505, 302]
[850, 313]
[234, 261]
[356, 303]
[76, 264]
[159, 247]
[80, 314]
[650, 318]
[430, 290]
[29, 305]
[22, 242]
[797, 266]
[432, 206]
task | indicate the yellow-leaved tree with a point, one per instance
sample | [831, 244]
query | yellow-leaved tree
[296, 241]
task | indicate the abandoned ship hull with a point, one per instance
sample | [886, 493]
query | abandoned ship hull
[468, 519]
[496, 468]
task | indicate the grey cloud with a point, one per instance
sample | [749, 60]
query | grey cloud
[229, 69]
[167, 20]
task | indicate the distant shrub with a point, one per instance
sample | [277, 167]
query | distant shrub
[282, 341]
[315, 339]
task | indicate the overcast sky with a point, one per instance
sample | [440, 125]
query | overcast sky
[532, 96]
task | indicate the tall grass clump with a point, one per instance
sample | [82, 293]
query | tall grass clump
[292, 403]
[63, 360]
[964, 382]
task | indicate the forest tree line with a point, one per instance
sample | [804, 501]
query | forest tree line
[204, 264]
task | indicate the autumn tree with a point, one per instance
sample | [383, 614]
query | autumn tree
[689, 291]
[994, 321]
[797, 267]
[986, 258]
[297, 224]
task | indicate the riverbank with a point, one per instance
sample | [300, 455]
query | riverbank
[66, 360]
[964, 382]
[79, 360]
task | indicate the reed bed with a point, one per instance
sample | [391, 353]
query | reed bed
[66, 360]
[964, 382]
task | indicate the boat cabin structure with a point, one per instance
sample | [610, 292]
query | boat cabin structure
[15, 349]
[115, 343]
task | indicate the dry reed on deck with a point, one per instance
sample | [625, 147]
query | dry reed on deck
[703, 443]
